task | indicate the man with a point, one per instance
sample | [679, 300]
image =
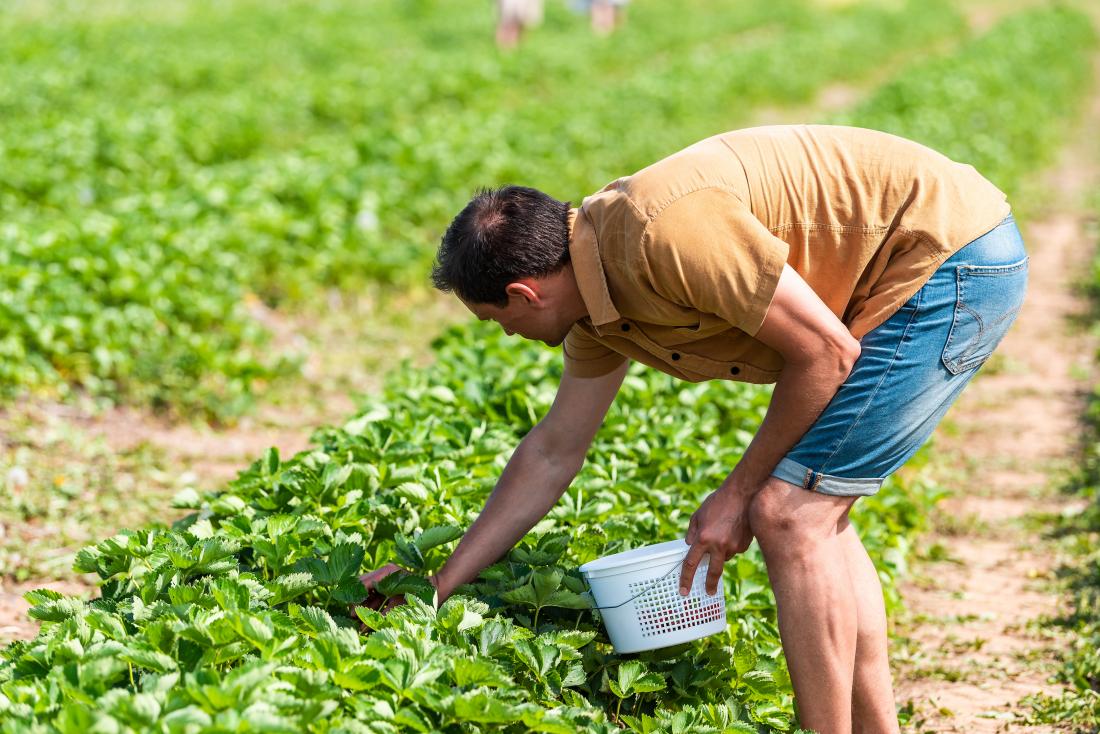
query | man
[867, 276]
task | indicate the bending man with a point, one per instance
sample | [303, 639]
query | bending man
[867, 276]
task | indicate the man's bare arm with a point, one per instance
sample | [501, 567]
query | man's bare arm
[539, 472]
[818, 354]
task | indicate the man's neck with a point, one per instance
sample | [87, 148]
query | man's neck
[572, 301]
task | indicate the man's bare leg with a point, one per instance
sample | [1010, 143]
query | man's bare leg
[808, 568]
[873, 707]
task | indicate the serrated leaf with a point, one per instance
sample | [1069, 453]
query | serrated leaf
[147, 658]
[437, 536]
[760, 683]
[455, 616]
[648, 683]
[744, 657]
[413, 491]
[316, 619]
[482, 707]
[473, 672]
[290, 586]
[345, 561]
[408, 554]
[403, 584]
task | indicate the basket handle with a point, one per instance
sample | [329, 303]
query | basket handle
[679, 565]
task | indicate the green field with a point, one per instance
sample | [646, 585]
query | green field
[171, 173]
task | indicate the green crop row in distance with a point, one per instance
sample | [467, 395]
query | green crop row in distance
[163, 168]
[1003, 103]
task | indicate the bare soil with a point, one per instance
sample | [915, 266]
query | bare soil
[973, 645]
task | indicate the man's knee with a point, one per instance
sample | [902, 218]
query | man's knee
[783, 516]
[769, 515]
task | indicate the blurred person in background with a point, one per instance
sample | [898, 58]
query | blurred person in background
[513, 18]
[607, 15]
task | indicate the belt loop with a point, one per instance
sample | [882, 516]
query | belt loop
[807, 479]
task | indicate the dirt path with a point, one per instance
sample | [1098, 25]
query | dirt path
[970, 648]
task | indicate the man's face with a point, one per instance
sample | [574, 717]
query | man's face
[528, 314]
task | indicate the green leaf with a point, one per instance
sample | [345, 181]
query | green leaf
[648, 683]
[567, 600]
[408, 554]
[483, 707]
[187, 498]
[760, 683]
[474, 672]
[437, 536]
[744, 657]
[316, 619]
[148, 658]
[402, 584]
[545, 582]
[372, 618]
[271, 461]
[290, 586]
[345, 561]
[455, 616]
[627, 674]
[413, 491]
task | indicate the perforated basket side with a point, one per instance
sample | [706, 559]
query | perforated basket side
[660, 609]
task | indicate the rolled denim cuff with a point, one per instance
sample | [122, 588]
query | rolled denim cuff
[801, 476]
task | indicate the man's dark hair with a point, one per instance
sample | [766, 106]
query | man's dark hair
[500, 236]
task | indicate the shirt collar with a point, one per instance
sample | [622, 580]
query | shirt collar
[584, 253]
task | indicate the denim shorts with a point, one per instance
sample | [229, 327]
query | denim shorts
[912, 368]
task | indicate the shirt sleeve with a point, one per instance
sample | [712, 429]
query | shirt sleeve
[587, 357]
[707, 251]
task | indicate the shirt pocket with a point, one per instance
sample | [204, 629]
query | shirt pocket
[988, 299]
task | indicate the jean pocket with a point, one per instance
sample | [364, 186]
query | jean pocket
[989, 297]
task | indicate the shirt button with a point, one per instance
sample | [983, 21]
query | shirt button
[675, 356]
[625, 327]
[735, 370]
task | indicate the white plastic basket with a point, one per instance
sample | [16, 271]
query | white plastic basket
[638, 595]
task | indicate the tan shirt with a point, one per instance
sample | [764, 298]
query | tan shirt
[678, 263]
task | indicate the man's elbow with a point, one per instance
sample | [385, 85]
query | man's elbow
[846, 352]
[833, 358]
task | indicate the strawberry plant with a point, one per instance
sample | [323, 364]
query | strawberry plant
[155, 204]
[240, 610]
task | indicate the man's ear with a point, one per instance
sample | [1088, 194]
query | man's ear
[527, 289]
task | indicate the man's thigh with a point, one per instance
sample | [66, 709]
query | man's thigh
[911, 369]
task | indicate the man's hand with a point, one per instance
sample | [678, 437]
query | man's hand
[720, 528]
[375, 600]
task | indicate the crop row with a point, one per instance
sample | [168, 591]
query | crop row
[981, 106]
[162, 170]
[248, 595]
[239, 612]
